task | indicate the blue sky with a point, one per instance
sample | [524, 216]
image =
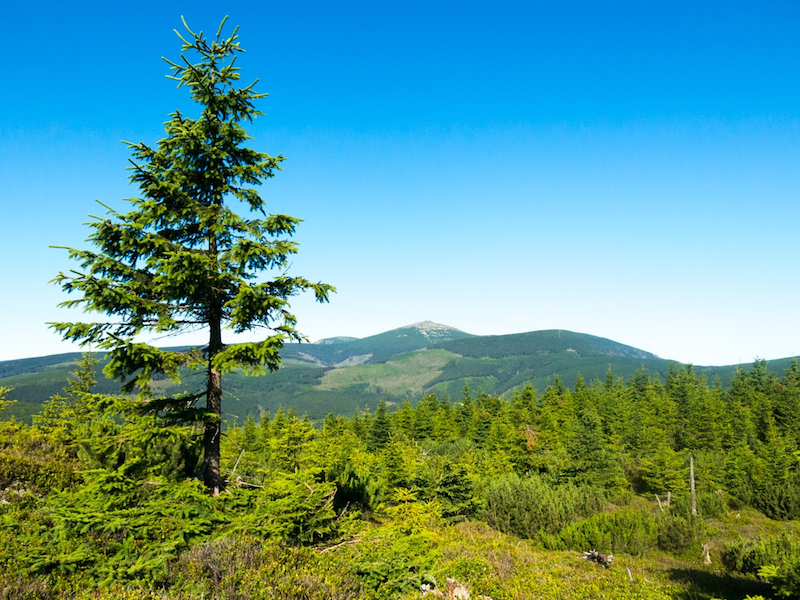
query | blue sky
[624, 169]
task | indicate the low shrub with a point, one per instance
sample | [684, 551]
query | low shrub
[243, 567]
[526, 506]
[773, 558]
[634, 531]
[631, 531]
[29, 460]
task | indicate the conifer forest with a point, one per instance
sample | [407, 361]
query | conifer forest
[642, 487]
[501, 495]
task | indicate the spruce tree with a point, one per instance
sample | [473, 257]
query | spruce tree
[381, 431]
[62, 415]
[182, 259]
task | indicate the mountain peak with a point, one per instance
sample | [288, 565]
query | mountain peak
[432, 332]
[426, 326]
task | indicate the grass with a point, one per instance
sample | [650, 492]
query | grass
[505, 567]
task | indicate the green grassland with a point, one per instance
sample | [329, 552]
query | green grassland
[402, 375]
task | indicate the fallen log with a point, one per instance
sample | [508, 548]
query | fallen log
[601, 559]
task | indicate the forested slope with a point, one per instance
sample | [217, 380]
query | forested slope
[401, 364]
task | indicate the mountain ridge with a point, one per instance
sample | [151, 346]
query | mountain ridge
[344, 373]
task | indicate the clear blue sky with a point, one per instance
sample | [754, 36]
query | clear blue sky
[625, 169]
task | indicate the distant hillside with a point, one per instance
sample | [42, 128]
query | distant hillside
[500, 363]
[341, 374]
[335, 340]
[10, 368]
[537, 343]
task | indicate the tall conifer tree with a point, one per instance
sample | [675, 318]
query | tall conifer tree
[182, 259]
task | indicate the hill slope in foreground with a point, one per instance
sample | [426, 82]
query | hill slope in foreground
[341, 374]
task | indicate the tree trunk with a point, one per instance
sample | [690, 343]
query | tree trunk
[212, 432]
[691, 486]
[211, 437]
[706, 554]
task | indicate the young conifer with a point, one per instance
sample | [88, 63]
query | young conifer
[182, 259]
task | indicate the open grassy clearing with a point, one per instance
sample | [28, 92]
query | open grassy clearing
[403, 374]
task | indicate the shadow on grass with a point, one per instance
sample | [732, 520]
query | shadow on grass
[705, 585]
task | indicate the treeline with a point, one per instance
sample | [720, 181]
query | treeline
[99, 496]
[635, 435]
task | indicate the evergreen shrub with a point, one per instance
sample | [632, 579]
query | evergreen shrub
[748, 556]
[634, 531]
[773, 558]
[629, 530]
[526, 506]
[779, 499]
[395, 559]
[676, 532]
[710, 505]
